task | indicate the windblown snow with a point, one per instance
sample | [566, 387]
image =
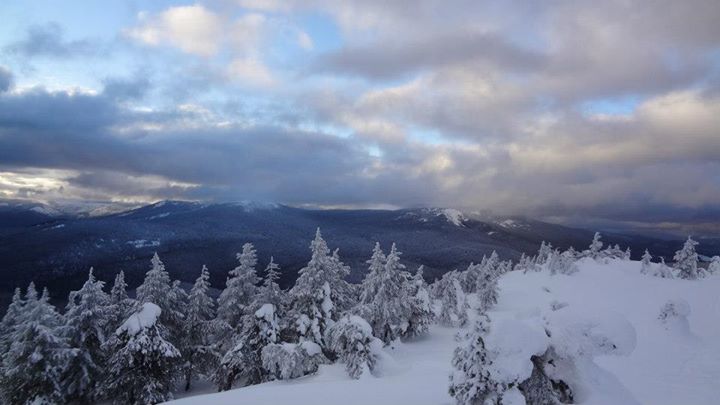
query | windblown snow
[636, 339]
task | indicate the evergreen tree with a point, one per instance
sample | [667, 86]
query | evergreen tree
[244, 359]
[471, 382]
[159, 290]
[645, 262]
[240, 289]
[122, 305]
[487, 292]
[9, 322]
[285, 361]
[686, 261]
[86, 317]
[453, 302]
[144, 365]
[351, 338]
[371, 284]
[198, 349]
[35, 362]
[627, 254]
[390, 307]
[422, 314]
[714, 266]
[270, 292]
[544, 253]
[595, 246]
[320, 292]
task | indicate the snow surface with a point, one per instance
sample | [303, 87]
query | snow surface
[143, 319]
[453, 216]
[141, 243]
[627, 355]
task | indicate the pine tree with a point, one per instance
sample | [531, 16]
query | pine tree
[240, 289]
[544, 253]
[352, 340]
[159, 290]
[198, 349]
[34, 364]
[627, 254]
[144, 365]
[86, 317]
[453, 302]
[244, 359]
[471, 382]
[388, 306]
[320, 292]
[371, 284]
[595, 246]
[686, 261]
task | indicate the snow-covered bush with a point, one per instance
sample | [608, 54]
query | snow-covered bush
[714, 266]
[562, 263]
[285, 361]
[351, 339]
[674, 315]
[144, 366]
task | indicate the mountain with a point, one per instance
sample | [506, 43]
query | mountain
[56, 248]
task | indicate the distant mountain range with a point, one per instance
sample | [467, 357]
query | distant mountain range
[55, 247]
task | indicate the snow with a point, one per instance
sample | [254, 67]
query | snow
[143, 319]
[454, 216]
[141, 243]
[158, 216]
[609, 319]
[267, 311]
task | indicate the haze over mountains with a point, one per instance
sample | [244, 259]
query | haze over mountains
[54, 246]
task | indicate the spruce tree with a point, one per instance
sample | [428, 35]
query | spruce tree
[270, 292]
[35, 362]
[144, 365]
[645, 262]
[198, 349]
[10, 321]
[686, 261]
[159, 290]
[422, 313]
[352, 340]
[714, 266]
[453, 301]
[320, 292]
[86, 317]
[240, 288]
[122, 305]
[595, 246]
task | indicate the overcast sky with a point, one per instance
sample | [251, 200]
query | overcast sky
[602, 111]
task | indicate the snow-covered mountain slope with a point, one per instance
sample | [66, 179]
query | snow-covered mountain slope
[676, 361]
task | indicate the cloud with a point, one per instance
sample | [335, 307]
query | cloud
[47, 41]
[6, 79]
[192, 29]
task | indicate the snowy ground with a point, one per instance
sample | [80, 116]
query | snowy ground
[676, 363]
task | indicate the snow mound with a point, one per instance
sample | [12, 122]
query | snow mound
[579, 334]
[513, 342]
[143, 319]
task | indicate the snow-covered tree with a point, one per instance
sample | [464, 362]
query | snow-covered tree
[122, 305]
[595, 246]
[198, 347]
[453, 301]
[371, 284]
[544, 253]
[645, 262]
[487, 291]
[244, 359]
[469, 277]
[285, 361]
[471, 382]
[34, 364]
[422, 314]
[144, 366]
[686, 261]
[320, 292]
[9, 322]
[562, 263]
[270, 292]
[352, 340]
[627, 254]
[159, 290]
[714, 266]
[86, 317]
[386, 303]
[240, 288]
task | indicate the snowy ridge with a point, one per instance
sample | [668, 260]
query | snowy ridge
[608, 315]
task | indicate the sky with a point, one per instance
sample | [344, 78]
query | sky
[576, 111]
